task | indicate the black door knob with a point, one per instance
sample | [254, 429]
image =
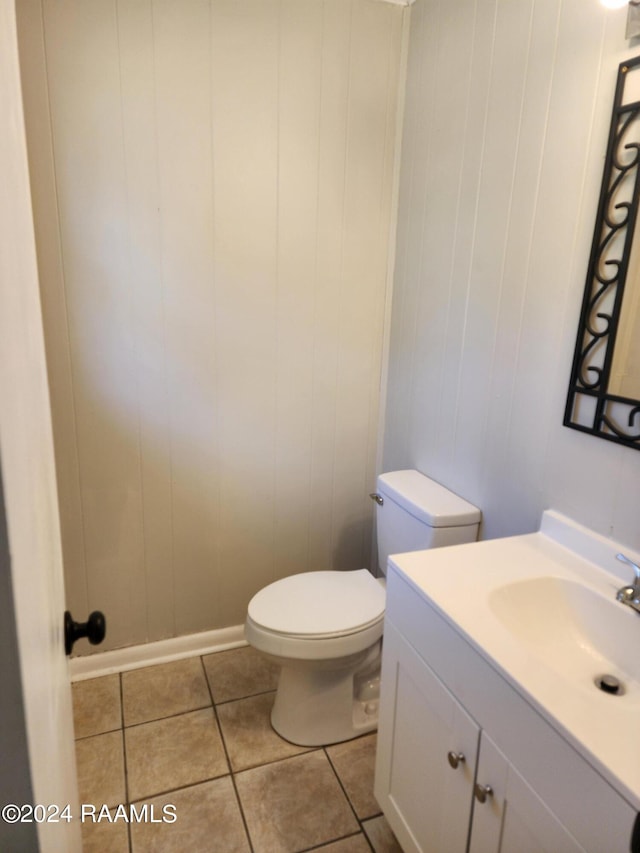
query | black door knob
[93, 629]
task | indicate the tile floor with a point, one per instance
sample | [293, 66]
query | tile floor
[195, 734]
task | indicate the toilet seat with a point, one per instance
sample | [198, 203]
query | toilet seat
[317, 615]
[319, 604]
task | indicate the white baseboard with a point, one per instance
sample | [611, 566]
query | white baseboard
[162, 651]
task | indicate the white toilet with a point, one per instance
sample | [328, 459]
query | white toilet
[324, 628]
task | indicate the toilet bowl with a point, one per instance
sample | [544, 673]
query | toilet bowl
[324, 628]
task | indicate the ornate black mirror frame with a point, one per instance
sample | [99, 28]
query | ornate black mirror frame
[590, 406]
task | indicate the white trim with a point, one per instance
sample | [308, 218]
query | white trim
[149, 654]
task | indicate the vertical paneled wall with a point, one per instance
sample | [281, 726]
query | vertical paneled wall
[213, 185]
[507, 115]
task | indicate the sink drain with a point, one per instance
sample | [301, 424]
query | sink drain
[609, 684]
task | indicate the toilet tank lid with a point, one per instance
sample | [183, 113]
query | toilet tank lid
[430, 502]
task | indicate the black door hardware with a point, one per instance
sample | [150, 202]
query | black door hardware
[93, 629]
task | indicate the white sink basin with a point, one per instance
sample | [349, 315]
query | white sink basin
[573, 629]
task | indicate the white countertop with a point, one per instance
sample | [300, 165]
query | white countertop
[459, 581]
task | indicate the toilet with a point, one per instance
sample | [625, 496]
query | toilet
[324, 628]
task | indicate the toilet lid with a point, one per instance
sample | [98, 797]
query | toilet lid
[315, 603]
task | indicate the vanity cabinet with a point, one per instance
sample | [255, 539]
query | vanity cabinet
[427, 802]
[512, 818]
[431, 757]
[450, 725]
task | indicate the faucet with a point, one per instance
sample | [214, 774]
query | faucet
[630, 594]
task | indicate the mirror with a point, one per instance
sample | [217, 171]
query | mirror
[604, 390]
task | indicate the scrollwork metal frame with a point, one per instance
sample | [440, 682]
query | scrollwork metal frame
[610, 416]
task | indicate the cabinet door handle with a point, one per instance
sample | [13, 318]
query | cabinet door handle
[455, 758]
[482, 792]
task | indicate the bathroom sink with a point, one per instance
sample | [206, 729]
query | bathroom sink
[572, 628]
[541, 609]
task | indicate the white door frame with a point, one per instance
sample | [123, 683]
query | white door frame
[28, 474]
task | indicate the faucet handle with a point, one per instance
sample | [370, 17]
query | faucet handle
[634, 566]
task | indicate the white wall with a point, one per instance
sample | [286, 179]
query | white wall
[508, 107]
[212, 185]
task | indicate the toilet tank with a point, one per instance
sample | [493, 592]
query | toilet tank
[417, 513]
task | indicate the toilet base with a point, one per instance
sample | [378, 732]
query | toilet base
[329, 702]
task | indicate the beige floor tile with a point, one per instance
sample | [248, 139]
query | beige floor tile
[208, 820]
[96, 706]
[250, 740]
[237, 673]
[355, 762]
[164, 690]
[380, 835]
[100, 761]
[174, 752]
[294, 804]
[105, 837]
[354, 844]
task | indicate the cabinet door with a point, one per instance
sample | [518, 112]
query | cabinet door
[513, 818]
[426, 801]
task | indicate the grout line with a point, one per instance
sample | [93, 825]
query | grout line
[365, 836]
[121, 685]
[167, 791]
[304, 751]
[167, 717]
[360, 820]
[124, 749]
[344, 790]
[129, 837]
[248, 696]
[335, 841]
[226, 753]
[124, 752]
[98, 734]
